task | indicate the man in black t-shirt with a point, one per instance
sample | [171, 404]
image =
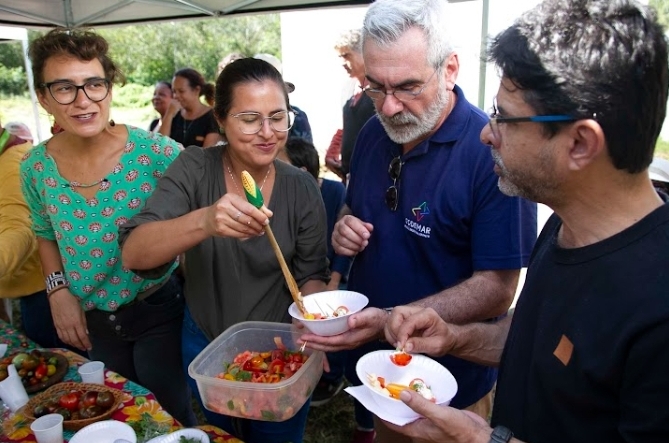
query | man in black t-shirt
[583, 358]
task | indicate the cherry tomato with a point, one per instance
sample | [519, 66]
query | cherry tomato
[41, 371]
[400, 358]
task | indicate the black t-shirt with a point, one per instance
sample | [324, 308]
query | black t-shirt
[193, 132]
[587, 356]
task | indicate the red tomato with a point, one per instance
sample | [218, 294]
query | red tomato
[400, 358]
[69, 401]
[89, 398]
[41, 371]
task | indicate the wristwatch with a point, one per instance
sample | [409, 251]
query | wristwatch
[501, 434]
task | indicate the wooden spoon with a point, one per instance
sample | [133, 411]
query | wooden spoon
[254, 196]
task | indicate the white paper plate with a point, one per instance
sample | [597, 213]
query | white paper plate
[175, 436]
[106, 431]
[328, 301]
[438, 378]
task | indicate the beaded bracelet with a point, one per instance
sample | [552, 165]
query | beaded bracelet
[58, 288]
[54, 280]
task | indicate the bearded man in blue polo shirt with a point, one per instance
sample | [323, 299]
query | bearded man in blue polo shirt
[424, 217]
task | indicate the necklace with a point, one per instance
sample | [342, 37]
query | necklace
[186, 127]
[234, 182]
[80, 185]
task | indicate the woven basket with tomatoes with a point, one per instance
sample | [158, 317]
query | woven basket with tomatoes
[80, 404]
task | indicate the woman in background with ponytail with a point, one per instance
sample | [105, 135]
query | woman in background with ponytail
[188, 120]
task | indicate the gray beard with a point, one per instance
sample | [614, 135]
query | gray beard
[405, 127]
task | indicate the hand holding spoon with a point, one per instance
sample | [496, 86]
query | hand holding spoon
[254, 196]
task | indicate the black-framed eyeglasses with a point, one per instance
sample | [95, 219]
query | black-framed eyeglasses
[252, 122]
[392, 193]
[96, 90]
[496, 120]
[403, 95]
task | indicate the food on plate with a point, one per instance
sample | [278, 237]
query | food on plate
[33, 367]
[264, 367]
[341, 310]
[400, 358]
[393, 390]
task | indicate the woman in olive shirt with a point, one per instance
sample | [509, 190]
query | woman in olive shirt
[199, 208]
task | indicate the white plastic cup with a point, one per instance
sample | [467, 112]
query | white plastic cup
[93, 372]
[48, 428]
[12, 391]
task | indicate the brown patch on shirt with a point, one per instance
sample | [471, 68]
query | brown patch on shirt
[564, 350]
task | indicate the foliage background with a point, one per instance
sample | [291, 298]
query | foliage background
[153, 52]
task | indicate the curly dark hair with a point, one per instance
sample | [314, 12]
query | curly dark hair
[80, 43]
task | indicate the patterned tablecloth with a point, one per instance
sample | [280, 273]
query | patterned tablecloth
[137, 402]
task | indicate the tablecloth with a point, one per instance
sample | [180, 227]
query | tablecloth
[137, 401]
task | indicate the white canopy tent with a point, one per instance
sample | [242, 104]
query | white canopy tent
[43, 14]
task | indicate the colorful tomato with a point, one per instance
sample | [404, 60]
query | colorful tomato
[264, 367]
[400, 358]
[69, 401]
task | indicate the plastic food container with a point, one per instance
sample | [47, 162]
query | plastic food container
[258, 401]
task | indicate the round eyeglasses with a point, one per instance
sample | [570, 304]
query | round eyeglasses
[252, 122]
[403, 95]
[65, 93]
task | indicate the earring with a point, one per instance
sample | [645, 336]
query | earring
[221, 131]
[112, 123]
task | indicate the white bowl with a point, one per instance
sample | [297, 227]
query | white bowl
[326, 302]
[438, 378]
[107, 431]
[174, 437]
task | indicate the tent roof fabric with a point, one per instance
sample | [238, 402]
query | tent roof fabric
[41, 14]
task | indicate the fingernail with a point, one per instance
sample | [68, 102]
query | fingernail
[266, 222]
[405, 396]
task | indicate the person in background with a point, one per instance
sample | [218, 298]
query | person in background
[301, 127]
[162, 97]
[187, 120]
[199, 207]
[659, 174]
[20, 270]
[583, 358]
[424, 217]
[357, 110]
[21, 130]
[80, 185]
[302, 154]
[225, 61]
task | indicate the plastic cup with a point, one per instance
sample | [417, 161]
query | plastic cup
[93, 372]
[48, 428]
[12, 391]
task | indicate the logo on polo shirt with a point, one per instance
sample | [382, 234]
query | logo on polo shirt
[414, 226]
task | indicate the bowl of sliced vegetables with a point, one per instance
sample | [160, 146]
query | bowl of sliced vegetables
[328, 312]
[381, 374]
[256, 370]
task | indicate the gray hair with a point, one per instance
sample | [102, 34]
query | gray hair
[351, 39]
[387, 20]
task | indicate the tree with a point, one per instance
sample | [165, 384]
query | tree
[662, 8]
[153, 52]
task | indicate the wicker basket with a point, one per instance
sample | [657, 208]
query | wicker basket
[57, 390]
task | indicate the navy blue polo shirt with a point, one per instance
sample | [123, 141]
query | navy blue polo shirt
[451, 220]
